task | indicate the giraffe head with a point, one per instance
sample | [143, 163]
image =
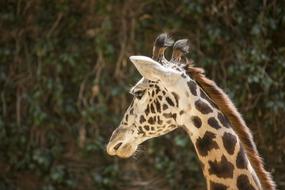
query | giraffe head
[159, 98]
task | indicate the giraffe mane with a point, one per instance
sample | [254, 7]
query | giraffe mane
[238, 124]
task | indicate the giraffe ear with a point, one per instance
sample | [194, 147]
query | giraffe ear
[152, 70]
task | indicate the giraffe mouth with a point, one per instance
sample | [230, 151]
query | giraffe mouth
[120, 149]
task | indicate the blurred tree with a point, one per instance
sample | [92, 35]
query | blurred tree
[64, 75]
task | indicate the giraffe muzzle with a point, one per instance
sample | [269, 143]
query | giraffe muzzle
[120, 149]
[120, 144]
[113, 148]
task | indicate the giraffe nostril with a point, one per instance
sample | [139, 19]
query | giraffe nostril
[117, 146]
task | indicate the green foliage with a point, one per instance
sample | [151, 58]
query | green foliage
[64, 75]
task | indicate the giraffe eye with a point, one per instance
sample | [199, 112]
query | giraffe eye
[139, 94]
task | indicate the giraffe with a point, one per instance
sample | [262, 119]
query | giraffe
[175, 94]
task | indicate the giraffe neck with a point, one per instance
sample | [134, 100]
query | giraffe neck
[224, 163]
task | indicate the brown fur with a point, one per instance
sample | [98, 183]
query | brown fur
[238, 124]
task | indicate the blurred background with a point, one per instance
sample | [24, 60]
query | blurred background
[65, 74]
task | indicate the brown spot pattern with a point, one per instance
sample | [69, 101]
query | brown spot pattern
[159, 121]
[157, 105]
[146, 127]
[193, 87]
[224, 121]
[164, 106]
[226, 106]
[229, 142]
[243, 183]
[203, 107]
[147, 110]
[206, 144]
[196, 121]
[170, 115]
[205, 97]
[176, 97]
[214, 123]
[222, 169]
[142, 119]
[157, 89]
[241, 161]
[217, 186]
[151, 120]
[169, 101]
[140, 131]
[152, 108]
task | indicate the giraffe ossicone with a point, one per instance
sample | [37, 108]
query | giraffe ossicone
[171, 96]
